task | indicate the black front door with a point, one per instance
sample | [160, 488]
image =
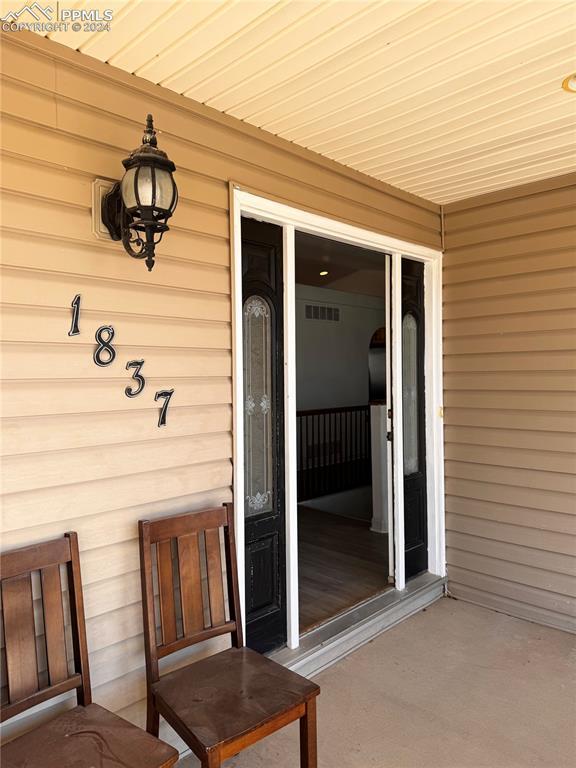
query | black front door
[262, 316]
[414, 418]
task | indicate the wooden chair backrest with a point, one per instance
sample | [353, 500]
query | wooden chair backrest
[188, 613]
[16, 570]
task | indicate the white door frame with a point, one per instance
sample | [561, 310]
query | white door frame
[243, 202]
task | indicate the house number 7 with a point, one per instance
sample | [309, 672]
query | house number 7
[163, 394]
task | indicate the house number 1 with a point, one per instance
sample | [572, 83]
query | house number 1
[74, 329]
[105, 354]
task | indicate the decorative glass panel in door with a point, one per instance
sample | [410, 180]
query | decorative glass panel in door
[258, 479]
[263, 502]
[410, 392]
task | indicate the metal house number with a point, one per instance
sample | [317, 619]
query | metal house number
[105, 354]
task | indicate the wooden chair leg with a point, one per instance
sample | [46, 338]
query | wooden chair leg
[308, 745]
[152, 718]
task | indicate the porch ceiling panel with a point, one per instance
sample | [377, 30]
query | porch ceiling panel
[443, 98]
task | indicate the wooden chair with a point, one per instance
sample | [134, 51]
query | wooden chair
[87, 735]
[232, 699]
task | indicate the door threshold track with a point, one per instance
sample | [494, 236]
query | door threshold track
[325, 645]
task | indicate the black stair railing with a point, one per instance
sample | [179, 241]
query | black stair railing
[334, 452]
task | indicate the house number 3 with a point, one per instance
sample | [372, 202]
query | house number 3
[105, 354]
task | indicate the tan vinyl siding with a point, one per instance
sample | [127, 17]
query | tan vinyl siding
[510, 400]
[77, 454]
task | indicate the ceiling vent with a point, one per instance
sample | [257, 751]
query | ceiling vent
[322, 312]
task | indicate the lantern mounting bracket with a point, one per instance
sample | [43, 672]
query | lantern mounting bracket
[113, 212]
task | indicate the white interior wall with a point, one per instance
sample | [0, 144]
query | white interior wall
[332, 357]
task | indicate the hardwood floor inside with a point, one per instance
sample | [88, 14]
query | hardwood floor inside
[341, 563]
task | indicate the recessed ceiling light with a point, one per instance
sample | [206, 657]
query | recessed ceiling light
[323, 273]
[569, 84]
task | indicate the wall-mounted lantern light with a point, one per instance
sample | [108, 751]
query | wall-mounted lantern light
[137, 208]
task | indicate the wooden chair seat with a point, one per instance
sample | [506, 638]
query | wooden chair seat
[220, 699]
[85, 737]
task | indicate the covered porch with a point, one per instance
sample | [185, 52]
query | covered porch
[454, 686]
[438, 137]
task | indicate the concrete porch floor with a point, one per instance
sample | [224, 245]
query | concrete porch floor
[455, 686]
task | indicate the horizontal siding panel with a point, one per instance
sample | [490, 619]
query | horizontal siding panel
[557, 482]
[116, 660]
[548, 581]
[25, 177]
[518, 608]
[67, 502]
[500, 493]
[480, 253]
[555, 442]
[531, 401]
[559, 279]
[114, 627]
[563, 298]
[111, 594]
[45, 397]
[506, 267]
[519, 535]
[509, 514]
[106, 429]
[512, 342]
[29, 102]
[46, 289]
[107, 527]
[563, 605]
[50, 325]
[555, 320]
[546, 421]
[81, 465]
[521, 458]
[200, 218]
[532, 381]
[490, 213]
[542, 360]
[537, 222]
[520, 553]
[104, 563]
[74, 361]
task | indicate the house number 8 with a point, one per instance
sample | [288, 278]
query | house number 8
[104, 345]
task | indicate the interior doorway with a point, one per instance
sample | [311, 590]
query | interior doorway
[341, 306]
